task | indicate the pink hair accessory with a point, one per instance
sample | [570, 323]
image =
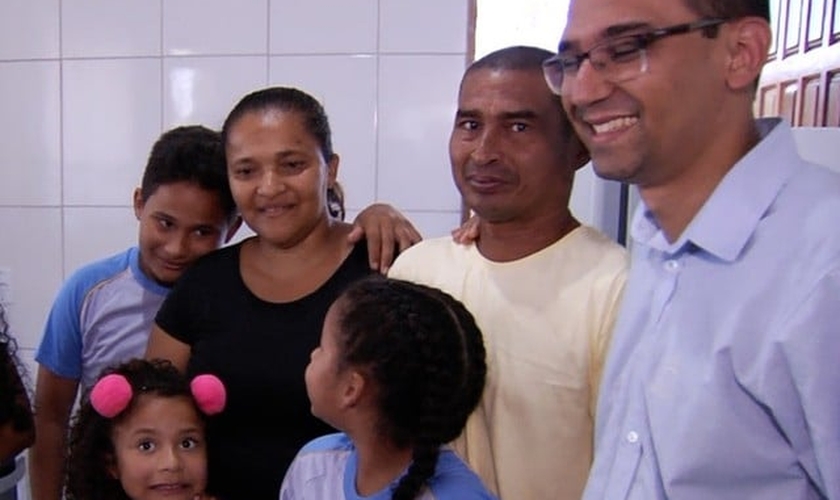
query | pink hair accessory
[209, 393]
[111, 395]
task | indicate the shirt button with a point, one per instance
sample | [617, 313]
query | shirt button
[632, 437]
[672, 266]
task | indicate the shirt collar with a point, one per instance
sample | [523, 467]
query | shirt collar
[741, 199]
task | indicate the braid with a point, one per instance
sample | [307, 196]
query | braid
[425, 354]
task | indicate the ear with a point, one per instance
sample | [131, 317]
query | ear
[748, 42]
[332, 170]
[138, 203]
[233, 227]
[353, 390]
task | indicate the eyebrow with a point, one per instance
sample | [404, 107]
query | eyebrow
[610, 32]
[507, 115]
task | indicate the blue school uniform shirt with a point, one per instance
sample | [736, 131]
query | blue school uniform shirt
[102, 316]
[723, 378]
[325, 469]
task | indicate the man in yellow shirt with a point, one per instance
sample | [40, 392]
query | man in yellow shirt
[543, 287]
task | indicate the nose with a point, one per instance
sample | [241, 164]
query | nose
[487, 149]
[588, 85]
[177, 245]
[170, 459]
[270, 183]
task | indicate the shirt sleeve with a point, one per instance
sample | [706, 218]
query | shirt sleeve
[60, 350]
[801, 382]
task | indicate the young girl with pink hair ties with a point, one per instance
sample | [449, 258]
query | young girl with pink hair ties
[140, 434]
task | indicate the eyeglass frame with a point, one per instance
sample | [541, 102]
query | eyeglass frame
[643, 41]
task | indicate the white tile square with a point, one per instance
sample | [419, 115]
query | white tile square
[215, 27]
[417, 103]
[346, 86]
[204, 89]
[105, 28]
[430, 26]
[91, 234]
[31, 138]
[112, 116]
[29, 29]
[434, 224]
[323, 26]
[33, 265]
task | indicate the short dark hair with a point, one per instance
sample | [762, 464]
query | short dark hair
[91, 450]
[524, 58]
[730, 9]
[190, 153]
[425, 354]
[314, 117]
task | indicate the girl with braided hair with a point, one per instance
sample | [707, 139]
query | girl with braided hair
[399, 369]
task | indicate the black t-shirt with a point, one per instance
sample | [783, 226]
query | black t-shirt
[259, 350]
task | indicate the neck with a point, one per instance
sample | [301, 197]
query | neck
[676, 202]
[513, 240]
[310, 246]
[380, 463]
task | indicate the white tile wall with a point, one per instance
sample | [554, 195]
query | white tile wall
[213, 27]
[111, 112]
[29, 29]
[104, 28]
[31, 133]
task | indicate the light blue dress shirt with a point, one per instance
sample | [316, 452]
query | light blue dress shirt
[723, 379]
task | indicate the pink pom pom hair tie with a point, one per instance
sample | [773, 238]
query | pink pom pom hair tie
[111, 395]
[209, 394]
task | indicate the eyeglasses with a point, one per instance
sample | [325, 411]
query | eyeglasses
[621, 58]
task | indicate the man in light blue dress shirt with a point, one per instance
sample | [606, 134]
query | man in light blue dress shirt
[723, 379]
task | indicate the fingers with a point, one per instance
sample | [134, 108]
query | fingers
[373, 234]
[386, 255]
[356, 234]
[468, 232]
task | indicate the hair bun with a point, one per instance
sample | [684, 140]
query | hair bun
[111, 395]
[209, 393]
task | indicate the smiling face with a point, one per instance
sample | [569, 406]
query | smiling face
[159, 449]
[179, 222]
[646, 130]
[278, 175]
[512, 158]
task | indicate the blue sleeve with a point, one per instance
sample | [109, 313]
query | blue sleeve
[60, 350]
[454, 480]
[801, 379]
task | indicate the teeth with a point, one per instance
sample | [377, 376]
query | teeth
[616, 124]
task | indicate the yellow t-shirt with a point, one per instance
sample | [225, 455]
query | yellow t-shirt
[546, 320]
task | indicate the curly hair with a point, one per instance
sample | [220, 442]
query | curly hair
[14, 398]
[91, 450]
[190, 153]
[425, 354]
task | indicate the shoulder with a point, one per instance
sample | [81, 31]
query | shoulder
[453, 480]
[441, 251]
[88, 277]
[213, 265]
[331, 442]
[598, 248]
[322, 459]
